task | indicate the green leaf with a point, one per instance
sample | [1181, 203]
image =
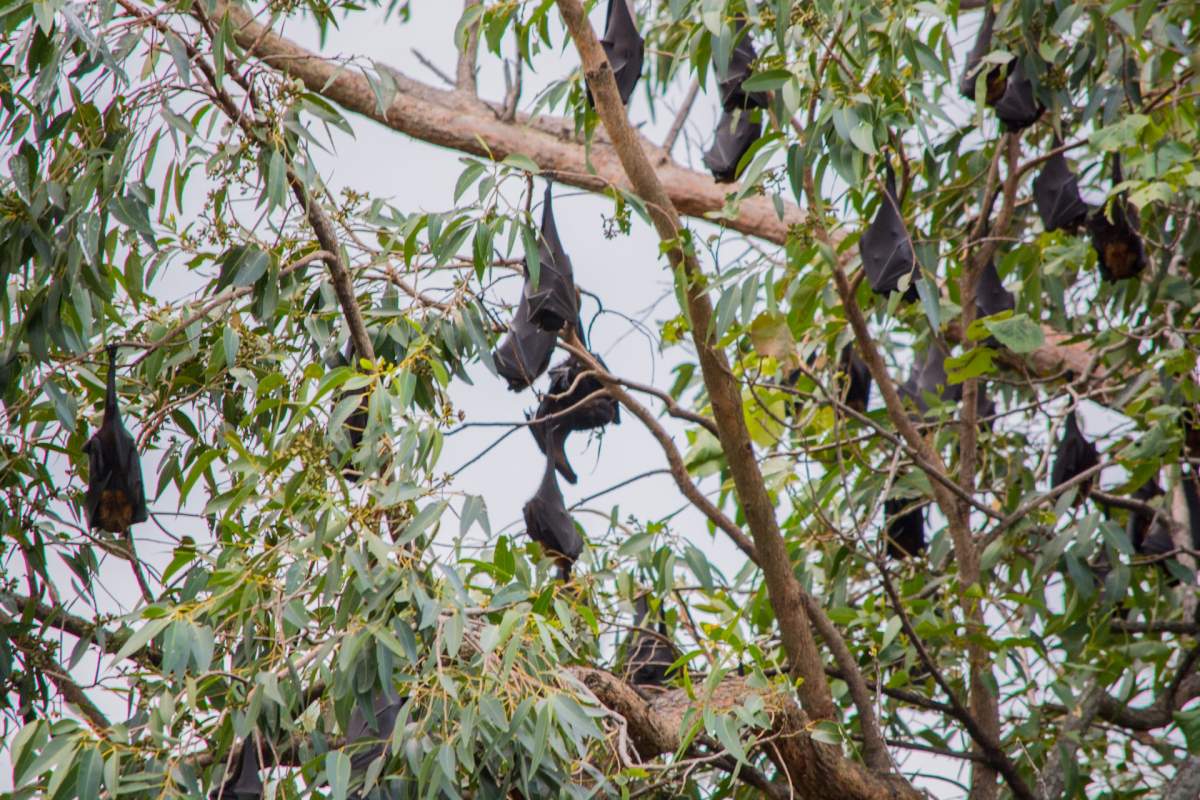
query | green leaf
[766, 81]
[971, 364]
[141, 637]
[522, 162]
[1121, 134]
[337, 771]
[862, 136]
[1018, 333]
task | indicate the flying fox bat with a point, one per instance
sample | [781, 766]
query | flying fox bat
[367, 738]
[736, 133]
[905, 529]
[563, 411]
[1018, 108]
[243, 781]
[553, 303]
[1119, 249]
[730, 82]
[625, 48]
[547, 520]
[525, 352]
[1056, 193]
[1074, 455]
[116, 497]
[995, 74]
[929, 378]
[990, 295]
[886, 249]
[1139, 524]
[856, 379]
[649, 656]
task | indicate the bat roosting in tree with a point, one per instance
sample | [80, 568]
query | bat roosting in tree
[1139, 524]
[929, 379]
[553, 302]
[525, 352]
[905, 529]
[649, 657]
[973, 68]
[737, 131]
[625, 48]
[730, 81]
[1119, 249]
[367, 739]
[885, 246]
[855, 379]
[242, 782]
[990, 295]
[562, 410]
[1056, 193]
[116, 497]
[547, 520]
[1018, 108]
[1074, 456]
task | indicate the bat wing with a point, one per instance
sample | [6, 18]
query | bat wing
[886, 249]
[552, 303]
[625, 48]
[1056, 194]
[730, 83]
[581, 397]
[736, 132]
[243, 782]
[549, 524]
[905, 529]
[990, 295]
[1017, 108]
[525, 352]
[972, 67]
[1073, 456]
[130, 472]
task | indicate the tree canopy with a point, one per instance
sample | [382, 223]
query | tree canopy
[935, 272]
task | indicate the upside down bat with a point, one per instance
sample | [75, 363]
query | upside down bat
[649, 656]
[1056, 193]
[1074, 456]
[242, 782]
[562, 410]
[553, 302]
[625, 48]
[990, 295]
[855, 379]
[736, 133]
[993, 75]
[547, 521]
[116, 497]
[1018, 108]
[729, 82]
[886, 248]
[905, 530]
[1119, 249]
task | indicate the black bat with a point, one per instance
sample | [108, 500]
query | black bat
[929, 378]
[736, 133]
[116, 498]
[525, 352]
[855, 378]
[1119, 249]
[1074, 455]
[243, 781]
[367, 738]
[625, 48]
[553, 303]
[547, 521]
[995, 74]
[1139, 524]
[1056, 193]
[1018, 108]
[649, 657]
[729, 83]
[990, 295]
[905, 528]
[886, 249]
[562, 410]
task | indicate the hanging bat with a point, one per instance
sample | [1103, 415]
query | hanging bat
[905, 529]
[554, 302]
[116, 498]
[886, 248]
[356, 424]
[548, 523]
[649, 657]
[972, 69]
[1139, 524]
[525, 352]
[1119, 249]
[1018, 108]
[625, 48]
[930, 379]
[243, 782]
[855, 379]
[729, 83]
[377, 731]
[1074, 455]
[990, 295]
[736, 133]
[563, 410]
[1056, 193]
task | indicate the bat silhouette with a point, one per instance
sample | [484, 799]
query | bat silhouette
[367, 738]
[553, 302]
[649, 656]
[625, 48]
[855, 379]
[243, 781]
[995, 74]
[736, 133]
[729, 83]
[1056, 194]
[1119, 249]
[1017, 108]
[1073, 456]
[525, 352]
[990, 295]
[1139, 524]
[562, 410]
[905, 528]
[929, 378]
[886, 249]
[116, 498]
[547, 521]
